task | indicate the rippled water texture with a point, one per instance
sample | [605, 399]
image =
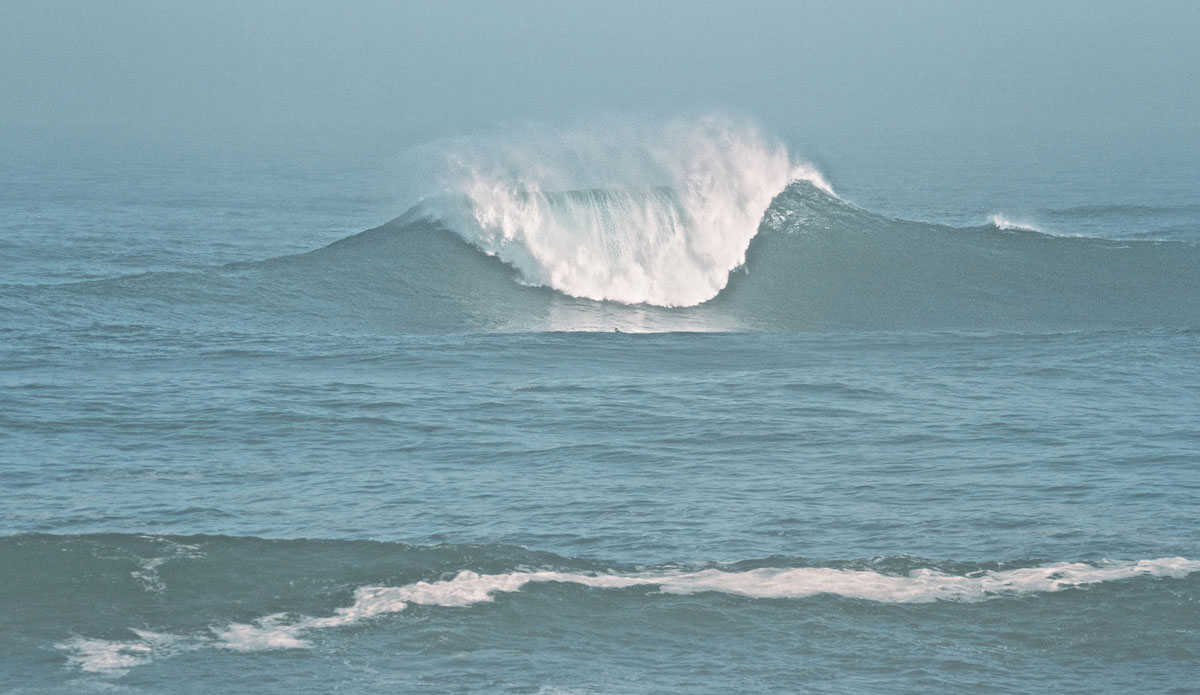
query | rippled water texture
[245, 447]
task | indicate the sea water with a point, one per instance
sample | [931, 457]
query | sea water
[925, 430]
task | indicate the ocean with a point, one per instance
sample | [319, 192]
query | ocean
[696, 417]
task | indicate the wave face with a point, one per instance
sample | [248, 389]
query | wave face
[821, 262]
[816, 262]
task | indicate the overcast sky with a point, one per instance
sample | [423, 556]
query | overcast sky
[394, 72]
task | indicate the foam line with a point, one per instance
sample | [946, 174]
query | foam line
[467, 588]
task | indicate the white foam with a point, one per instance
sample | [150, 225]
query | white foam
[116, 657]
[919, 586]
[271, 632]
[109, 657]
[633, 247]
[282, 631]
[467, 588]
[1001, 222]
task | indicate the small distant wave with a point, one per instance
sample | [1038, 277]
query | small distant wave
[469, 588]
[1006, 224]
[1123, 210]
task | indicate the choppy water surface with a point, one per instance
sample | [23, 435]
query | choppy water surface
[883, 455]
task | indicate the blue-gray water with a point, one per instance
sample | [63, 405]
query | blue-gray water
[243, 448]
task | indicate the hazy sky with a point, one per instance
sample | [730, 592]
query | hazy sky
[201, 71]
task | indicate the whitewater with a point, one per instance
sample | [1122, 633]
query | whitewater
[623, 212]
[621, 408]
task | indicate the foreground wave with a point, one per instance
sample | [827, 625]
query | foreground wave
[166, 580]
[468, 588]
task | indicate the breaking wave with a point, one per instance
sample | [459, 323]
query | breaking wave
[693, 226]
[467, 588]
[627, 212]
